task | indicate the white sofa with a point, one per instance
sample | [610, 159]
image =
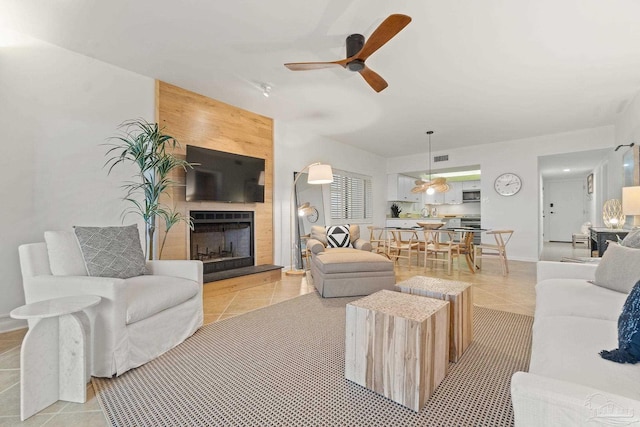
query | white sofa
[138, 318]
[568, 383]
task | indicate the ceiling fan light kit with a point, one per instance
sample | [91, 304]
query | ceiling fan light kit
[358, 51]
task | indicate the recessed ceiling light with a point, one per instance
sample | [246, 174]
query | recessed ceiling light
[566, 170]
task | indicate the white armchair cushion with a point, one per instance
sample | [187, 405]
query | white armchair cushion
[65, 257]
[148, 295]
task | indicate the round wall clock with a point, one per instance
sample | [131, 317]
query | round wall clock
[507, 184]
[313, 216]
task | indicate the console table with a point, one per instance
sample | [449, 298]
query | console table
[600, 235]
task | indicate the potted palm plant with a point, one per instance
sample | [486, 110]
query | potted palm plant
[146, 146]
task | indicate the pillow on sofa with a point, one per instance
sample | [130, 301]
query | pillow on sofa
[632, 240]
[65, 257]
[354, 233]
[319, 233]
[619, 268]
[111, 251]
[338, 236]
[628, 350]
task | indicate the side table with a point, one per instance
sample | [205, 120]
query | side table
[397, 345]
[55, 352]
[460, 297]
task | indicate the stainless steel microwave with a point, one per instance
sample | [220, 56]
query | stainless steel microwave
[469, 196]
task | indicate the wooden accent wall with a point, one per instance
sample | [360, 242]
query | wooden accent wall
[194, 119]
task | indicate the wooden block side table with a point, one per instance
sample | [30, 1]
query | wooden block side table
[55, 352]
[460, 295]
[397, 345]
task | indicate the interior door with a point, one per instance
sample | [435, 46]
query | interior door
[563, 201]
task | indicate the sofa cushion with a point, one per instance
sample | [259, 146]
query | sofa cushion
[348, 260]
[566, 348]
[619, 268]
[338, 236]
[319, 233]
[577, 297]
[632, 240]
[148, 295]
[65, 257]
[628, 350]
[111, 251]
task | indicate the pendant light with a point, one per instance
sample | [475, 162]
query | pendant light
[438, 185]
[430, 190]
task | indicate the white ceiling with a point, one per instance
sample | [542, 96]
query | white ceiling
[474, 71]
[580, 164]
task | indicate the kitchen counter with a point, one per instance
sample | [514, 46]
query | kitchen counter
[413, 222]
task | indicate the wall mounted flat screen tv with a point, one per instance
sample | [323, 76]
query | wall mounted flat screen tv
[224, 177]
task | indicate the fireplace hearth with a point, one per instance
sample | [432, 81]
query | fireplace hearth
[222, 240]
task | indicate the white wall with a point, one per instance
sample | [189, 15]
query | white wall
[294, 149]
[57, 109]
[628, 123]
[522, 211]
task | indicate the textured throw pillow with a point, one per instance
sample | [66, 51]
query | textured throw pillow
[354, 233]
[632, 240]
[338, 236]
[619, 268]
[319, 233]
[628, 350]
[111, 251]
[65, 257]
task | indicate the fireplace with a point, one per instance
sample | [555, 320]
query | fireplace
[222, 240]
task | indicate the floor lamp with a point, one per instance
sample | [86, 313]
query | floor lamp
[318, 174]
[631, 203]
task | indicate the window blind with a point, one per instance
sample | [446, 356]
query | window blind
[351, 197]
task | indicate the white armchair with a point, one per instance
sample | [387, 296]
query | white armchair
[138, 319]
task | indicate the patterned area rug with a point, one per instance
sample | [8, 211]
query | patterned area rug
[284, 366]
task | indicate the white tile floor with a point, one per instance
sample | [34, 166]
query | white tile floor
[555, 251]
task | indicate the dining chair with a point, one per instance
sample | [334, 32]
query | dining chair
[379, 240]
[434, 246]
[501, 237]
[399, 244]
[466, 248]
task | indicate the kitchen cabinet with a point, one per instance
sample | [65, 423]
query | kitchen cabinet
[409, 222]
[454, 195]
[452, 222]
[471, 185]
[434, 199]
[399, 189]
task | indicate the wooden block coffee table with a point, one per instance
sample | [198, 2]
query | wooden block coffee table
[459, 294]
[397, 345]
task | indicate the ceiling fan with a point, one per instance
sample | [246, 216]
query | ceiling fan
[358, 51]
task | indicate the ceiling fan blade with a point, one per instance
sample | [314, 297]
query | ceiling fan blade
[385, 32]
[304, 66]
[375, 81]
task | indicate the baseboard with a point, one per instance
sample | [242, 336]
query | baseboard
[8, 324]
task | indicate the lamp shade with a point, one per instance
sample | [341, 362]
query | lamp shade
[631, 200]
[320, 174]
